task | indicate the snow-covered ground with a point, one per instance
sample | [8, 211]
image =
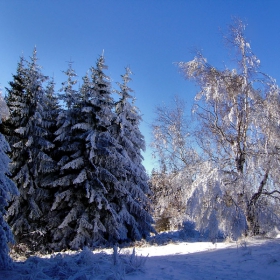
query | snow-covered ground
[252, 258]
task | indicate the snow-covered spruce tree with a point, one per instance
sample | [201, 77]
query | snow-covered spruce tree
[68, 147]
[7, 190]
[15, 100]
[95, 196]
[82, 208]
[134, 208]
[50, 112]
[30, 160]
[48, 169]
[239, 135]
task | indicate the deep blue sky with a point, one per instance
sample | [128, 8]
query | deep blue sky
[147, 35]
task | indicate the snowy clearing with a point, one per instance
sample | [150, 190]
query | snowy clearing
[247, 259]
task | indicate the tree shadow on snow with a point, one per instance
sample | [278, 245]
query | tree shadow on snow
[82, 265]
[187, 233]
[253, 259]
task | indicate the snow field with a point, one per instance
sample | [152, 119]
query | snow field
[252, 258]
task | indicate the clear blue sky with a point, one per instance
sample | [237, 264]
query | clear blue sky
[147, 35]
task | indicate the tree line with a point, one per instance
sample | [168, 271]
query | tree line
[75, 157]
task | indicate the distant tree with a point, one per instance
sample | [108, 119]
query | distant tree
[238, 111]
[170, 191]
[7, 190]
[178, 163]
[29, 155]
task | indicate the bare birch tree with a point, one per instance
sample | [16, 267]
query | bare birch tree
[172, 137]
[238, 111]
